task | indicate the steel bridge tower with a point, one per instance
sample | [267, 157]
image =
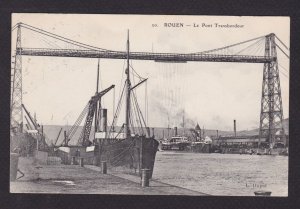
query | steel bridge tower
[16, 113]
[271, 115]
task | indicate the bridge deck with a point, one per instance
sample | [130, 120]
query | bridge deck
[167, 57]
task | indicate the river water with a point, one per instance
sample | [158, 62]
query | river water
[223, 174]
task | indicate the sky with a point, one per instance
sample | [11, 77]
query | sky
[211, 94]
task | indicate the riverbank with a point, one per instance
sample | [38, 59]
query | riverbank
[85, 180]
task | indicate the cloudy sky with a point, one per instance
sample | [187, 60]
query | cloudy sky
[212, 94]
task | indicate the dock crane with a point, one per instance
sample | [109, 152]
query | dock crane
[36, 126]
[57, 137]
[90, 110]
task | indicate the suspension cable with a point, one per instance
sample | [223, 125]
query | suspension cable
[213, 50]
[38, 30]
[254, 44]
[286, 70]
[14, 27]
[282, 43]
[282, 51]
[284, 74]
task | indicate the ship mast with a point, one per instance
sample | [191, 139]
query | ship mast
[98, 103]
[128, 86]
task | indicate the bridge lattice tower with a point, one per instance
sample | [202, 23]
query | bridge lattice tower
[271, 115]
[16, 113]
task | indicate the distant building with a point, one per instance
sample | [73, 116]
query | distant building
[239, 141]
[198, 131]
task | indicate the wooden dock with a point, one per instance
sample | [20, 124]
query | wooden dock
[86, 180]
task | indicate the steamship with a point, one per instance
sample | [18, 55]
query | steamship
[195, 143]
[131, 148]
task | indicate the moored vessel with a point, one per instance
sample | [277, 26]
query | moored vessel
[130, 149]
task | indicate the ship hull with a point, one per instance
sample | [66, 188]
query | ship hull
[175, 146]
[201, 148]
[190, 147]
[130, 155]
[133, 154]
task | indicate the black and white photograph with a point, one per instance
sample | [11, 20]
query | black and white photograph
[149, 104]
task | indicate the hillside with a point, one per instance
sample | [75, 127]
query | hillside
[52, 131]
[256, 131]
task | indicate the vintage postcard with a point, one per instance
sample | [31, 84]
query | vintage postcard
[149, 104]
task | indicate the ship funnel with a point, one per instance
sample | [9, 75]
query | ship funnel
[175, 130]
[153, 132]
[65, 137]
[147, 132]
[103, 120]
[234, 127]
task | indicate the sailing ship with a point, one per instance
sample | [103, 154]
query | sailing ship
[131, 148]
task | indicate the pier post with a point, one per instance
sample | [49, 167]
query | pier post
[103, 167]
[145, 177]
[81, 162]
[73, 161]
